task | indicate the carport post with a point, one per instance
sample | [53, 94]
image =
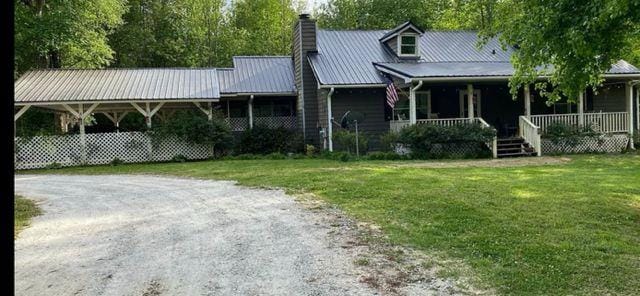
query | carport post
[83, 136]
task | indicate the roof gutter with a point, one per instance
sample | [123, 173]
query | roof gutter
[331, 86]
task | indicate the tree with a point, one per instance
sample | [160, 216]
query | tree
[573, 42]
[69, 33]
[264, 26]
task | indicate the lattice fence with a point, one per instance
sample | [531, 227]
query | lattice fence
[288, 122]
[455, 150]
[101, 148]
[611, 143]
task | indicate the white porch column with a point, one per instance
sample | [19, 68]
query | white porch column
[412, 103]
[83, 136]
[148, 115]
[250, 111]
[581, 109]
[330, 120]
[470, 100]
[527, 101]
[629, 103]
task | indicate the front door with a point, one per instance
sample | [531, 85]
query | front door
[477, 104]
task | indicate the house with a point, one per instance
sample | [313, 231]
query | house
[442, 76]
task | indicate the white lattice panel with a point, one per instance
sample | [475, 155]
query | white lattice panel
[601, 144]
[101, 148]
[288, 122]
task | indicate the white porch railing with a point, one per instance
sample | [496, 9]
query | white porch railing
[530, 133]
[605, 122]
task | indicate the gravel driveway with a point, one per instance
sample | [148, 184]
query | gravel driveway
[147, 235]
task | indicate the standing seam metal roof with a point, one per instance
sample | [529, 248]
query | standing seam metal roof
[258, 74]
[65, 85]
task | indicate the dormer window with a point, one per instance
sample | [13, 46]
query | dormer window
[408, 45]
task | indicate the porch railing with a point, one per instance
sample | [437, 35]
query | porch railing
[238, 124]
[605, 122]
[530, 133]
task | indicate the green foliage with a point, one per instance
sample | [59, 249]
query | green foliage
[388, 141]
[193, 127]
[179, 158]
[380, 155]
[573, 49]
[436, 141]
[116, 161]
[310, 150]
[265, 140]
[337, 155]
[346, 140]
[53, 166]
[36, 122]
[567, 136]
[69, 33]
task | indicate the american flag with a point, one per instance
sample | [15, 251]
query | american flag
[392, 93]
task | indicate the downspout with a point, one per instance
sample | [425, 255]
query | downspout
[330, 120]
[412, 103]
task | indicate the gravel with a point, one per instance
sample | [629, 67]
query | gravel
[148, 235]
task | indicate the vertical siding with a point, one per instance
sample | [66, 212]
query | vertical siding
[368, 101]
[611, 100]
[304, 41]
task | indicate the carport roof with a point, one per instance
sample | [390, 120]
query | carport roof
[258, 75]
[117, 85]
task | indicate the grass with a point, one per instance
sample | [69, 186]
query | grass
[556, 229]
[23, 210]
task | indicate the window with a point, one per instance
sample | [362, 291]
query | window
[408, 45]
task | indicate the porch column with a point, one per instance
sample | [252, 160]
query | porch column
[412, 103]
[527, 101]
[83, 137]
[629, 103]
[330, 120]
[250, 111]
[147, 112]
[148, 115]
[581, 109]
[470, 100]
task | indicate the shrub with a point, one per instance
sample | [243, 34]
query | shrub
[116, 161]
[380, 155]
[567, 136]
[435, 141]
[179, 158]
[337, 155]
[388, 141]
[265, 140]
[53, 166]
[193, 127]
[276, 155]
[345, 140]
[310, 150]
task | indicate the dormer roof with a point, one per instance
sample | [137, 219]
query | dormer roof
[404, 27]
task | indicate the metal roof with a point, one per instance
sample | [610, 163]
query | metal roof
[258, 74]
[67, 85]
[454, 69]
[357, 57]
[347, 57]
[472, 69]
[401, 28]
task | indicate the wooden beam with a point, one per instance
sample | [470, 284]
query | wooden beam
[112, 118]
[135, 105]
[156, 109]
[71, 110]
[21, 111]
[88, 112]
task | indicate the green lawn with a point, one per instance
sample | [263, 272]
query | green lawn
[23, 210]
[557, 229]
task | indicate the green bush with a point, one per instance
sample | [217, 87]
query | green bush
[179, 158]
[388, 141]
[337, 155]
[276, 155]
[265, 140]
[116, 161]
[193, 127]
[53, 166]
[434, 141]
[345, 140]
[381, 155]
[568, 136]
[310, 150]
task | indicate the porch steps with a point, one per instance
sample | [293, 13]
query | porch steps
[514, 147]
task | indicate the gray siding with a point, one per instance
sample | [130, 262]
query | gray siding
[304, 41]
[368, 101]
[393, 44]
[611, 100]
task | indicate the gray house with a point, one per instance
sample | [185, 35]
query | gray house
[442, 78]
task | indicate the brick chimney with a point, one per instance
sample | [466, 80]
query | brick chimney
[304, 41]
